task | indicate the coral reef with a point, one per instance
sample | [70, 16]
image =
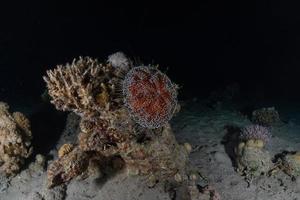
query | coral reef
[15, 140]
[124, 121]
[266, 116]
[255, 132]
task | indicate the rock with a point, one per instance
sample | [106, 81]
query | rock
[4, 183]
[35, 196]
[57, 193]
[222, 158]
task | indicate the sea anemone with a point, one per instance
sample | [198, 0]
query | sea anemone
[150, 96]
[255, 132]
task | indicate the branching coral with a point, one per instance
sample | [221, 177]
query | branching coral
[85, 86]
[15, 140]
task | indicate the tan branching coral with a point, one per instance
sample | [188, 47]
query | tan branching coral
[85, 86]
[15, 140]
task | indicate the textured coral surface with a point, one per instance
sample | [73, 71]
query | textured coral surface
[15, 140]
[85, 86]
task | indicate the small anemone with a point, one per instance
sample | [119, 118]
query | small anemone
[255, 132]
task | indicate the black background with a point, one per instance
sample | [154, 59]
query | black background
[201, 46]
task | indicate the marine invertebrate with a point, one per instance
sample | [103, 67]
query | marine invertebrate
[150, 96]
[85, 86]
[266, 116]
[15, 140]
[119, 59]
[255, 132]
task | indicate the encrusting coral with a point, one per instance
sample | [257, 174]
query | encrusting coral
[15, 140]
[68, 166]
[124, 114]
[251, 157]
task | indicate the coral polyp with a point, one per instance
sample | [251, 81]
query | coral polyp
[150, 96]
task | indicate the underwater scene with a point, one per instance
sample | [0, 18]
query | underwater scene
[150, 101]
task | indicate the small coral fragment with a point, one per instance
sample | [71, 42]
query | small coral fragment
[65, 149]
[15, 140]
[23, 122]
[266, 116]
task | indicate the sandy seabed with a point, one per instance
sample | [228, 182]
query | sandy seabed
[204, 128]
